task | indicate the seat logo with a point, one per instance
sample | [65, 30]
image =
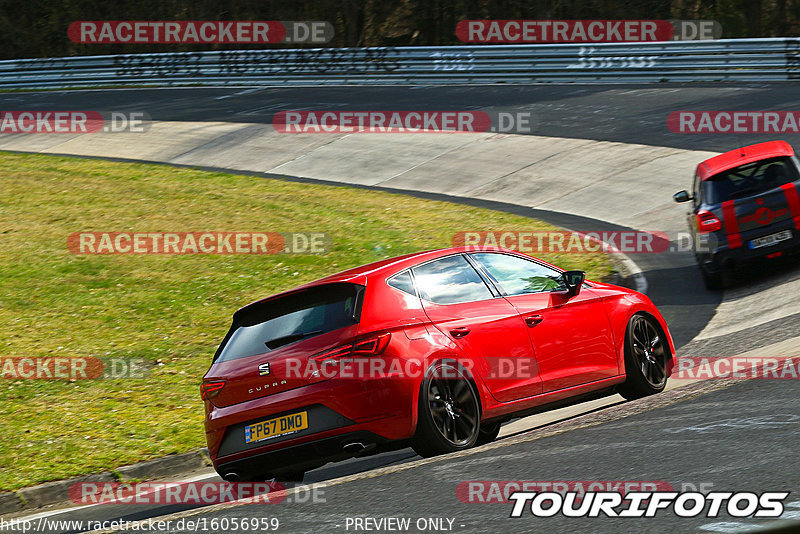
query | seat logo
[263, 369]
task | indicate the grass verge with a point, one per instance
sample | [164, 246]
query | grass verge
[170, 310]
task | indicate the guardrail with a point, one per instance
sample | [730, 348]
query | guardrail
[678, 61]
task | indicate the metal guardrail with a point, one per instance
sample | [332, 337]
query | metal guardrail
[677, 61]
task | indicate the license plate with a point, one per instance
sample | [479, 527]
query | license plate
[771, 239]
[279, 426]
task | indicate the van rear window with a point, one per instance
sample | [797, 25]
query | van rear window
[266, 326]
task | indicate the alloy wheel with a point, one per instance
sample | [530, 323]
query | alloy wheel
[453, 408]
[649, 351]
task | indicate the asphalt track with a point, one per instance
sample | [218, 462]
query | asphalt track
[626, 114]
[685, 445]
[753, 456]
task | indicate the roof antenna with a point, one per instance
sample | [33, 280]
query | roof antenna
[741, 146]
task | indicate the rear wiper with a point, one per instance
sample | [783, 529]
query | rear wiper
[273, 344]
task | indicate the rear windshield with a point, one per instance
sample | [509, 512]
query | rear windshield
[266, 326]
[750, 179]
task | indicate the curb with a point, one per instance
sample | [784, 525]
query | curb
[56, 492]
[626, 273]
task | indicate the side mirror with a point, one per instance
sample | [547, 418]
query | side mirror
[573, 280]
[682, 196]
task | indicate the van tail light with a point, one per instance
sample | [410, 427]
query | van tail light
[366, 347]
[211, 388]
[707, 222]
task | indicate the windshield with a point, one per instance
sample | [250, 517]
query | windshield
[266, 326]
[750, 179]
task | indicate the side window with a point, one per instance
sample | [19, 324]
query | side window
[518, 276]
[796, 165]
[403, 282]
[450, 280]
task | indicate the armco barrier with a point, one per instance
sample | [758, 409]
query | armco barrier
[736, 60]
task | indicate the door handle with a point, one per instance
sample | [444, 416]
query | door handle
[461, 331]
[533, 320]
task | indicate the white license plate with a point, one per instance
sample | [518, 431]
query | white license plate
[771, 239]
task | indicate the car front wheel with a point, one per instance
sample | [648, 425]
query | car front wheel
[646, 355]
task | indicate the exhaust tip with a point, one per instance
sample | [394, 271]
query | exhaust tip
[357, 447]
[354, 447]
[231, 476]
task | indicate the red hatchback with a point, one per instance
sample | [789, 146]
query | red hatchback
[433, 350]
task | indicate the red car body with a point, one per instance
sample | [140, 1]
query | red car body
[571, 346]
[742, 156]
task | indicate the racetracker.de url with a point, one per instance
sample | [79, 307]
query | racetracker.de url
[184, 524]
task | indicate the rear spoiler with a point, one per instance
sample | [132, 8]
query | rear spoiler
[263, 310]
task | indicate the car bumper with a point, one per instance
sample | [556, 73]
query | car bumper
[339, 412]
[300, 457]
[726, 259]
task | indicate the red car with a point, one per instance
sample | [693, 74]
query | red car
[434, 349]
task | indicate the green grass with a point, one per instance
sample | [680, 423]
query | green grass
[171, 310]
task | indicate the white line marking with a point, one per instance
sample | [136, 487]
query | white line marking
[245, 92]
[728, 527]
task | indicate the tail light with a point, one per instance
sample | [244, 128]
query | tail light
[211, 389]
[366, 347]
[372, 346]
[707, 222]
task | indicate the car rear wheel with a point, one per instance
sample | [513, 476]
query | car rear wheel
[488, 433]
[449, 412]
[646, 355]
[713, 281]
